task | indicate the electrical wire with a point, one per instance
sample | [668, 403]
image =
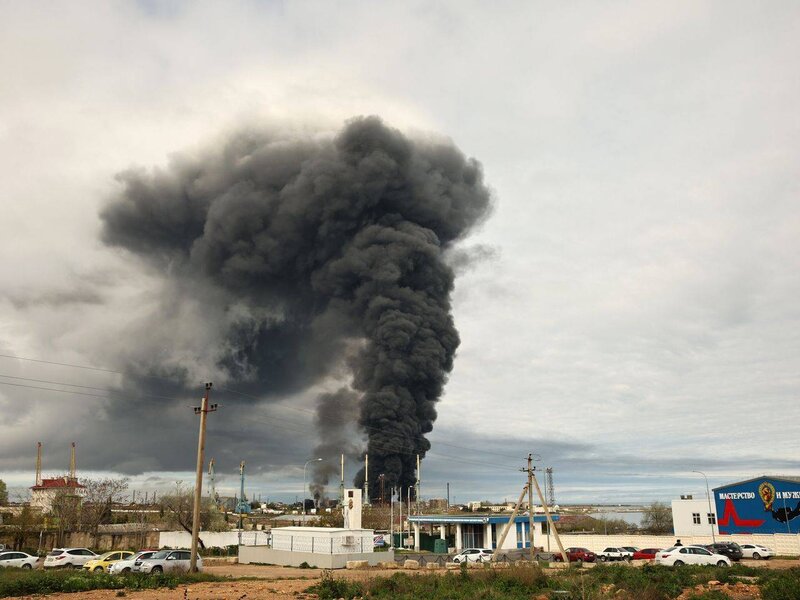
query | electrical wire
[223, 388]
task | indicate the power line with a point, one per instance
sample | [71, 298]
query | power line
[60, 364]
[86, 387]
[243, 394]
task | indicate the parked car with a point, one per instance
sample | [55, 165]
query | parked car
[166, 561]
[127, 565]
[729, 549]
[646, 554]
[20, 560]
[576, 554]
[631, 549]
[614, 554]
[104, 561]
[755, 551]
[691, 555]
[68, 557]
[474, 555]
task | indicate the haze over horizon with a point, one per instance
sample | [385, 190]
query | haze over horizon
[626, 309]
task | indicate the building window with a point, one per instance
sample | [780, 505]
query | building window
[696, 518]
[712, 519]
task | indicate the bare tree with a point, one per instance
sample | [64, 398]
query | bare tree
[177, 510]
[99, 495]
[24, 524]
[657, 518]
[65, 511]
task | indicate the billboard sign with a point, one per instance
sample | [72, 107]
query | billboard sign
[763, 505]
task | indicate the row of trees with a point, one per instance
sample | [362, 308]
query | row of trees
[656, 519]
[91, 509]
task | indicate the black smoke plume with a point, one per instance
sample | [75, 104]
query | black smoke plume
[317, 253]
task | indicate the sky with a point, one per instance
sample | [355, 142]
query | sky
[629, 315]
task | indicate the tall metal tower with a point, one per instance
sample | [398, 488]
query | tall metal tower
[244, 506]
[550, 490]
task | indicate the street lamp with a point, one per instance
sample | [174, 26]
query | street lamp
[303, 495]
[710, 512]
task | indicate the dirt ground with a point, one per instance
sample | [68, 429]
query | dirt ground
[273, 583]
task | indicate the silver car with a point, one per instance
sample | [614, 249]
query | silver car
[131, 564]
[68, 557]
[474, 555]
[167, 561]
[20, 560]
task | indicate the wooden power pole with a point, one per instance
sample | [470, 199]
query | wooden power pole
[550, 523]
[530, 504]
[203, 411]
[510, 523]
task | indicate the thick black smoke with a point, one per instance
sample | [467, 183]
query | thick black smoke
[326, 251]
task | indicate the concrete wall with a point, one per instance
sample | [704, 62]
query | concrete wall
[268, 556]
[124, 540]
[783, 544]
[683, 520]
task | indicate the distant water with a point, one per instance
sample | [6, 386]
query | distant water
[634, 517]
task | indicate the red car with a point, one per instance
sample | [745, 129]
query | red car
[646, 554]
[576, 554]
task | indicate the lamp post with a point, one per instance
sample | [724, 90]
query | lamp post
[303, 495]
[710, 512]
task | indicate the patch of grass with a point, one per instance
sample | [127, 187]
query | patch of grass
[780, 585]
[331, 588]
[18, 582]
[650, 582]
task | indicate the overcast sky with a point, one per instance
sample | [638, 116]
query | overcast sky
[632, 315]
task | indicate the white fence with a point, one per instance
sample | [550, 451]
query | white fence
[322, 544]
[783, 543]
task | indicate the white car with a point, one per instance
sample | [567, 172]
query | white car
[68, 557]
[755, 551]
[21, 560]
[690, 555]
[614, 554]
[166, 561]
[129, 564]
[474, 555]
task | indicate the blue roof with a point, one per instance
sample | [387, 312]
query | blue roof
[468, 518]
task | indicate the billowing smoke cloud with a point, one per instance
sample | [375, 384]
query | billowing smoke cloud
[336, 420]
[318, 253]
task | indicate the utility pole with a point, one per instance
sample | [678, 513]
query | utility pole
[203, 411]
[391, 519]
[419, 486]
[448, 495]
[550, 523]
[530, 504]
[510, 523]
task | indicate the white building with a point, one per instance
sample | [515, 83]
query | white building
[323, 540]
[47, 490]
[693, 517]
